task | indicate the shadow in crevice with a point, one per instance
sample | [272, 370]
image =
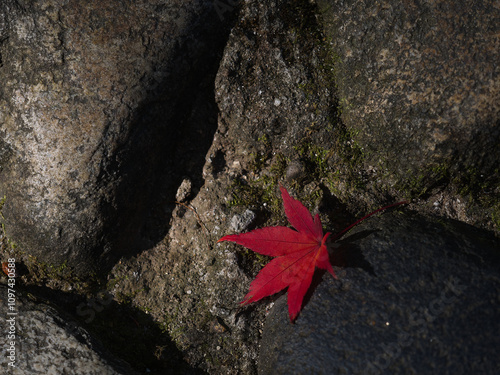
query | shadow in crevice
[170, 135]
[337, 212]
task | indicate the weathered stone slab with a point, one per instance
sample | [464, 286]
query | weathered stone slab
[419, 85]
[89, 108]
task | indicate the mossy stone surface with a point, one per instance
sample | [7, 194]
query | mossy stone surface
[418, 83]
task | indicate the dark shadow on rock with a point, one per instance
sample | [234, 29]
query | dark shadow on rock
[171, 134]
[336, 211]
[346, 254]
[119, 331]
[484, 240]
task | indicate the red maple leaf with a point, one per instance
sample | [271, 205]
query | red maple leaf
[298, 253]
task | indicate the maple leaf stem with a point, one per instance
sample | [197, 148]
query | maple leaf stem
[340, 234]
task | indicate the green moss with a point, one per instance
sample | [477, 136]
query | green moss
[322, 168]
[351, 153]
[114, 281]
[60, 276]
[256, 194]
[314, 157]
[2, 202]
[257, 259]
[421, 184]
[127, 298]
[479, 185]
[469, 183]
[41, 272]
[306, 34]
[261, 191]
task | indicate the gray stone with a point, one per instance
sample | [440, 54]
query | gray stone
[414, 295]
[89, 112]
[240, 223]
[184, 190]
[419, 87]
[271, 89]
[47, 343]
[295, 170]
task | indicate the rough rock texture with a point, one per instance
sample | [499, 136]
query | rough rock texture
[269, 118]
[47, 343]
[270, 115]
[90, 102]
[272, 89]
[416, 295]
[419, 86]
